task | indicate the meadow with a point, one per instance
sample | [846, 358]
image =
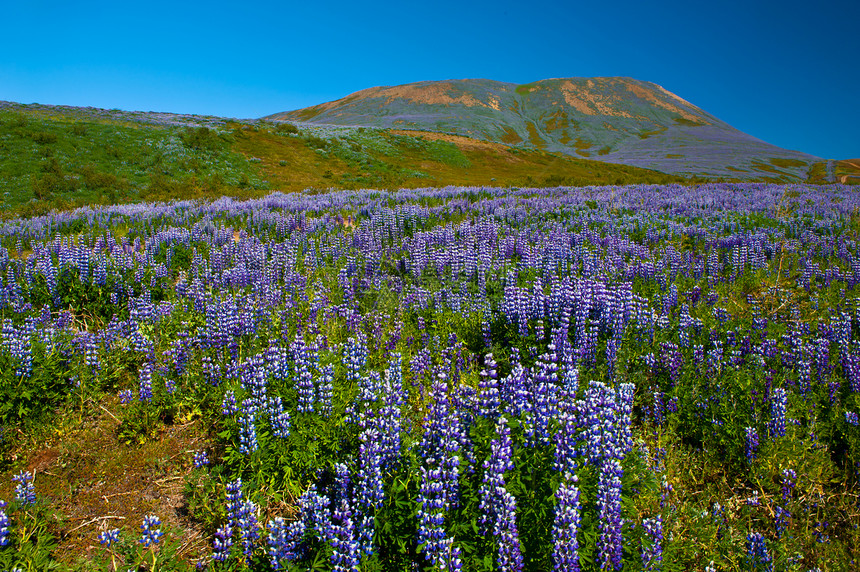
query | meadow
[639, 377]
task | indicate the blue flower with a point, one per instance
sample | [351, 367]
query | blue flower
[566, 526]
[4, 525]
[126, 396]
[108, 537]
[150, 531]
[222, 543]
[609, 541]
[283, 541]
[146, 382]
[25, 492]
[652, 543]
[758, 559]
[752, 444]
[778, 407]
[201, 459]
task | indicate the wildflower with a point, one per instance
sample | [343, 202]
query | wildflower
[108, 537]
[752, 444]
[324, 394]
[566, 526]
[778, 406]
[201, 459]
[609, 541]
[126, 396]
[284, 541]
[228, 404]
[233, 500]
[279, 418]
[150, 531]
[25, 492]
[4, 525]
[222, 543]
[652, 550]
[851, 418]
[247, 431]
[248, 526]
[498, 506]
[488, 389]
[146, 382]
[758, 558]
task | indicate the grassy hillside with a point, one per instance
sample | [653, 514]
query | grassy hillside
[66, 157]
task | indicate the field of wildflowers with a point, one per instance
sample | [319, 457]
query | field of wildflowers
[598, 378]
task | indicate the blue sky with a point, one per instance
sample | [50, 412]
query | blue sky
[785, 72]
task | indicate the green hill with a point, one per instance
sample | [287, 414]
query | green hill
[62, 157]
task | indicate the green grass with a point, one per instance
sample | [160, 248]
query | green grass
[64, 163]
[62, 158]
[786, 163]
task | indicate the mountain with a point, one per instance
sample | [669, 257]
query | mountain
[613, 119]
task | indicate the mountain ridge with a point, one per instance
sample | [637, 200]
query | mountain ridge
[613, 119]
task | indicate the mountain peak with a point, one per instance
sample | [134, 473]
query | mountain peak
[615, 119]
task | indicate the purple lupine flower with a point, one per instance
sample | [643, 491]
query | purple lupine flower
[652, 543]
[609, 542]
[233, 500]
[851, 418]
[439, 478]
[283, 541]
[498, 506]
[249, 526]
[228, 404]
[4, 525]
[488, 389]
[752, 444]
[390, 414]
[222, 543]
[369, 490]
[568, 517]
[545, 394]
[778, 407]
[758, 558]
[146, 382]
[108, 537]
[25, 492]
[247, 428]
[150, 533]
[780, 520]
[355, 357]
[279, 418]
[789, 480]
[126, 396]
[346, 551]
[326, 384]
[315, 512]
[607, 415]
[201, 459]
[567, 448]
[495, 466]
[303, 381]
[505, 530]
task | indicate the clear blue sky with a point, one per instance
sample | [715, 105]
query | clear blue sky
[785, 72]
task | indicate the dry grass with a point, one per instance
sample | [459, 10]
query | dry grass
[97, 482]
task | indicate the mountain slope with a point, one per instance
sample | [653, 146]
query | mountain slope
[614, 119]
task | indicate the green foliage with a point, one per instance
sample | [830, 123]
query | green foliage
[32, 538]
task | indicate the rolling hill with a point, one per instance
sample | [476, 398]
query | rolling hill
[613, 119]
[59, 157]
